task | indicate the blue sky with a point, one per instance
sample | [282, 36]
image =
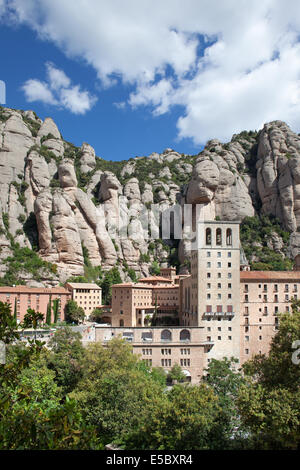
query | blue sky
[135, 77]
[116, 134]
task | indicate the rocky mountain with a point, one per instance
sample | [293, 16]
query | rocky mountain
[60, 203]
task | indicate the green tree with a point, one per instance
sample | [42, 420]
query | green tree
[269, 403]
[176, 374]
[181, 419]
[119, 391]
[48, 314]
[226, 381]
[96, 315]
[8, 325]
[65, 358]
[111, 277]
[55, 306]
[74, 313]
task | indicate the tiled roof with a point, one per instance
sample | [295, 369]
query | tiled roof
[83, 285]
[155, 278]
[269, 275]
[34, 290]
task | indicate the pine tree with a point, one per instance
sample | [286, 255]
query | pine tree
[48, 315]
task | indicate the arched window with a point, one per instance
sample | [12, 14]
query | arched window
[229, 236]
[185, 335]
[121, 322]
[166, 335]
[219, 236]
[208, 236]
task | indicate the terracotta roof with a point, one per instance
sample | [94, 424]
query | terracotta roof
[131, 284]
[83, 285]
[175, 286]
[155, 278]
[34, 290]
[269, 275]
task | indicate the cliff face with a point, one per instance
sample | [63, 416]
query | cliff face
[71, 198]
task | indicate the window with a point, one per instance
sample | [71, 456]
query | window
[219, 285]
[185, 335]
[208, 308]
[208, 236]
[219, 236]
[229, 276]
[219, 254]
[286, 288]
[166, 335]
[219, 308]
[208, 265]
[229, 265]
[121, 322]
[229, 236]
[208, 254]
[219, 264]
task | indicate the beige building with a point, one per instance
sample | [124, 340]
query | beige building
[236, 309]
[164, 347]
[264, 295]
[135, 304]
[211, 295]
[88, 296]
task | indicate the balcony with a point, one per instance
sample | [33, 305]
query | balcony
[219, 314]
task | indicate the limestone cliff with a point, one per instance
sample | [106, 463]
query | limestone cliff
[64, 201]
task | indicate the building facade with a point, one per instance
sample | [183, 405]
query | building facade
[164, 347]
[235, 309]
[88, 296]
[21, 298]
[137, 304]
[264, 295]
[211, 295]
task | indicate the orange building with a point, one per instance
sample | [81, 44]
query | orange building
[264, 295]
[21, 298]
[135, 304]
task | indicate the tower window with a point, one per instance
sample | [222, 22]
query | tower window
[219, 236]
[208, 236]
[229, 236]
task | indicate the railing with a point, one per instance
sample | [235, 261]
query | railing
[220, 314]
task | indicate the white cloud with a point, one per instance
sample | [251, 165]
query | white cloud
[58, 91]
[247, 74]
[38, 91]
[57, 78]
[78, 102]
